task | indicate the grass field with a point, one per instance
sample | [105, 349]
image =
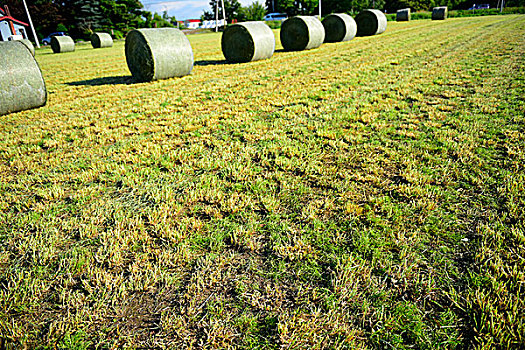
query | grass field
[367, 194]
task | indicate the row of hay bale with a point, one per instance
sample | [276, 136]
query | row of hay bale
[61, 44]
[438, 13]
[153, 54]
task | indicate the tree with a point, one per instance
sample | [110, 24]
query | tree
[83, 17]
[232, 8]
[253, 12]
[293, 7]
[122, 15]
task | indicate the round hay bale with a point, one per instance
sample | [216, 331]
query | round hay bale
[302, 33]
[403, 15]
[247, 42]
[370, 22]
[21, 84]
[100, 40]
[158, 53]
[29, 45]
[60, 44]
[439, 13]
[339, 27]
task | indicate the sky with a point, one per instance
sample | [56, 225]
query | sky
[184, 9]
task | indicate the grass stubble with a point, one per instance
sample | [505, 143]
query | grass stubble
[364, 194]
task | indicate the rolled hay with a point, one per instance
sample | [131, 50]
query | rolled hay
[21, 84]
[247, 42]
[339, 27]
[60, 44]
[302, 33]
[29, 45]
[440, 12]
[100, 40]
[158, 53]
[370, 22]
[403, 15]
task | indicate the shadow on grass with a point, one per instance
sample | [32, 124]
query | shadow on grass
[123, 79]
[210, 63]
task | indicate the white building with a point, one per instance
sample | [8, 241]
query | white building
[10, 27]
[192, 23]
[211, 24]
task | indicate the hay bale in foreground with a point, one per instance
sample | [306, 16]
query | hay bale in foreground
[339, 27]
[440, 12]
[248, 41]
[403, 15]
[60, 44]
[100, 40]
[21, 84]
[158, 53]
[302, 33]
[370, 22]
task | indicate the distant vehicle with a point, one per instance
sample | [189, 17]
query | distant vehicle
[480, 7]
[276, 17]
[47, 39]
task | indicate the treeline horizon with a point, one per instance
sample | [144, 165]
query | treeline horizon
[80, 18]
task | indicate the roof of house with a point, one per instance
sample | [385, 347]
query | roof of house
[9, 18]
[193, 20]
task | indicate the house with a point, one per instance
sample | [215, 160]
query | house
[10, 26]
[192, 23]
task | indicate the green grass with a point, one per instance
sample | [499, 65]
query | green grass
[367, 194]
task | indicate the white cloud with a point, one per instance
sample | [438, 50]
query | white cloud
[185, 9]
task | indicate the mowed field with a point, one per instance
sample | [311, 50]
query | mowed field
[367, 194]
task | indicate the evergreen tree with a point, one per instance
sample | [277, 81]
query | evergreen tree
[84, 17]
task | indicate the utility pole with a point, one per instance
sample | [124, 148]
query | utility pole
[223, 14]
[216, 15]
[502, 2]
[31, 24]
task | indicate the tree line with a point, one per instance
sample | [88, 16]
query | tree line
[256, 11]
[80, 18]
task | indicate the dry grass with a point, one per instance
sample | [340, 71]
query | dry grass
[364, 194]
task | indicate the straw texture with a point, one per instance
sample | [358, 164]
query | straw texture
[403, 15]
[158, 53]
[21, 84]
[100, 40]
[339, 27]
[440, 13]
[29, 45]
[60, 44]
[370, 22]
[302, 33]
[248, 41]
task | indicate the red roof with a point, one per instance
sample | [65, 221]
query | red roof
[193, 20]
[9, 18]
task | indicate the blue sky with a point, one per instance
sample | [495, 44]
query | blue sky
[184, 9]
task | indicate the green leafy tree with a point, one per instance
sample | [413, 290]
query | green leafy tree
[253, 12]
[293, 7]
[122, 15]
